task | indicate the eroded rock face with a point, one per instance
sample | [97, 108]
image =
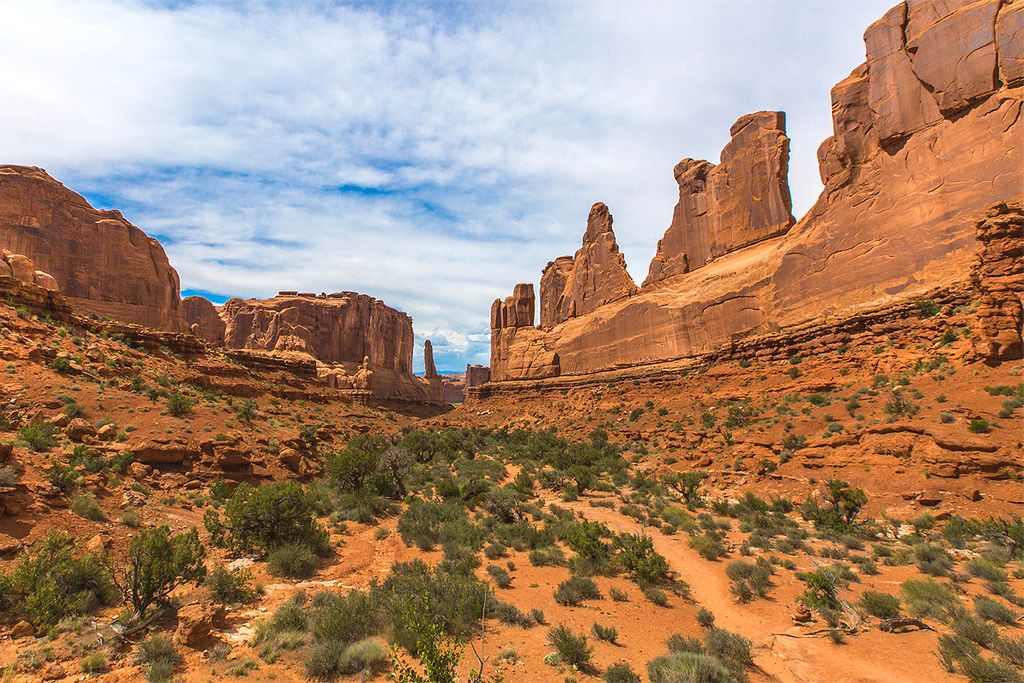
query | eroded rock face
[102, 263]
[595, 276]
[477, 375]
[743, 200]
[430, 370]
[926, 139]
[999, 280]
[203, 319]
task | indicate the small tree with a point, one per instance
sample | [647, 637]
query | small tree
[686, 484]
[157, 563]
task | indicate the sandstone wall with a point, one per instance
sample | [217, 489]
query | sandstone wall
[927, 137]
[203, 319]
[103, 264]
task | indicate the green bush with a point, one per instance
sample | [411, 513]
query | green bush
[95, 663]
[707, 546]
[1010, 649]
[548, 556]
[264, 517]
[575, 590]
[63, 477]
[841, 503]
[984, 568]
[501, 578]
[688, 667]
[656, 596]
[637, 555]
[230, 586]
[705, 617]
[881, 605]
[159, 653]
[933, 559]
[39, 436]
[750, 579]
[994, 611]
[292, 560]
[981, 670]
[953, 648]
[424, 523]
[927, 598]
[179, 405]
[48, 583]
[608, 634]
[332, 658]
[979, 426]
[975, 630]
[620, 672]
[85, 505]
[730, 648]
[572, 648]
[157, 563]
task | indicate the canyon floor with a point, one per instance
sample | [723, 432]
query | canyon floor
[677, 519]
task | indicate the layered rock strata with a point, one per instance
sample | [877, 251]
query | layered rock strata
[927, 137]
[102, 263]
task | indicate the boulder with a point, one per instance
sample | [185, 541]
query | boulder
[22, 629]
[79, 429]
[196, 621]
[107, 432]
[22, 268]
[46, 281]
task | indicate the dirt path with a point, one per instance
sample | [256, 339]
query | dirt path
[870, 657]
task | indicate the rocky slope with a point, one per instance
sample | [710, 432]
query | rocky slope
[103, 264]
[926, 140]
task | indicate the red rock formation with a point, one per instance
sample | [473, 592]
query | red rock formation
[926, 139]
[21, 282]
[743, 200]
[203, 319]
[998, 277]
[595, 276]
[361, 343]
[103, 263]
[430, 370]
[477, 375]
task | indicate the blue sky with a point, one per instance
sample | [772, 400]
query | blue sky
[431, 155]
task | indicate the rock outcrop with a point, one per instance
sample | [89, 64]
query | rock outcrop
[743, 200]
[998, 278]
[595, 276]
[20, 281]
[102, 263]
[477, 375]
[430, 370]
[203, 319]
[359, 342]
[926, 140]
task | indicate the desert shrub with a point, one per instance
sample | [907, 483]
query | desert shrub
[48, 583]
[608, 634]
[332, 658]
[981, 670]
[85, 505]
[979, 426]
[991, 610]
[679, 643]
[637, 555]
[656, 596]
[292, 560]
[975, 630]
[1010, 649]
[620, 672]
[688, 667]
[750, 579]
[346, 618]
[264, 517]
[984, 568]
[822, 593]
[230, 586]
[927, 598]
[953, 648]
[572, 648]
[705, 617]
[575, 590]
[548, 556]
[179, 405]
[933, 559]
[39, 436]
[881, 605]
[159, 653]
[158, 562]
[64, 477]
[501, 578]
[841, 503]
[686, 484]
[425, 523]
[95, 663]
[730, 648]
[707, 546]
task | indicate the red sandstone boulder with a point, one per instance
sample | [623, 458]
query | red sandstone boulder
[203, 319]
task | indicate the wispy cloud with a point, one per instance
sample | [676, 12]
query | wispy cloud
[429, 155]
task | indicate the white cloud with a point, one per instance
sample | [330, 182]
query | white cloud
[479, 140]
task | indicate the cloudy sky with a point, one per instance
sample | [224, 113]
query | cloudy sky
[431, 155]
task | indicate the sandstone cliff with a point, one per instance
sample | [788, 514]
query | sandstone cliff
[595, 276]
[203, 319]
[927, 137]
[103, 264]
[741, 201]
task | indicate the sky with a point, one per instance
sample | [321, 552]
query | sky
[431, 155]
